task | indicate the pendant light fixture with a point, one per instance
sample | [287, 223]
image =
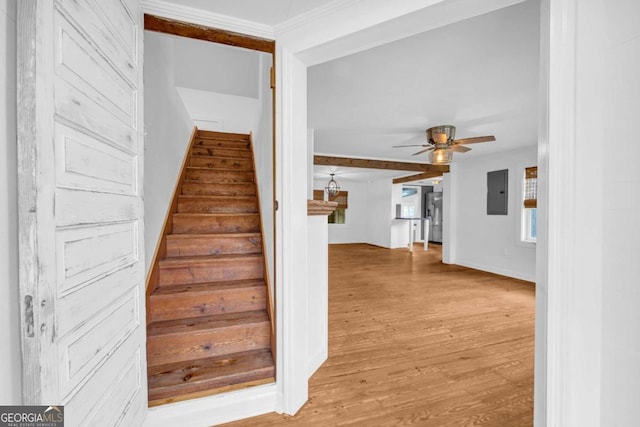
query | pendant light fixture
[332, 187]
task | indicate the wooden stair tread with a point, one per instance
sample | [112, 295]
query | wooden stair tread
[205, 203]
[205, 168]
[195, 325]
[206, 259]
[222, 163]
[210, 235]
[219, 372]
[207, 287]
[214, 198]
[195, 187]
[216, 222]
[222, 214]
[217, 175]
[210, 134]
[205, 156]
[183, 301]
[240, 148]
[229, 183]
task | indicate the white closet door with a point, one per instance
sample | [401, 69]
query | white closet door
[80, 167]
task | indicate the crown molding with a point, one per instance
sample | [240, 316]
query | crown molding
[313, 15]
[201, 17]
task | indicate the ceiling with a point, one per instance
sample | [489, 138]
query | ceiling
[480, 75]
[271, 12]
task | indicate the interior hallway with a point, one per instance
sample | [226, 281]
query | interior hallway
[414, 341]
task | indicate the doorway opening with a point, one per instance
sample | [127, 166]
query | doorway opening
[209, 97]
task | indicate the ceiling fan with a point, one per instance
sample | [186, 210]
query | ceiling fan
[441, 144]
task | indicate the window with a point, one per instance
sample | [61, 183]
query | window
[339, 216]
[530, 205]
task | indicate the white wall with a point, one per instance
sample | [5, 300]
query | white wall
[219, 111]
[10, 356]
[168, 127]
[492, 242]
[620, 107]
[449, 230]
[380, 212]
[354, 230]
[399, 230]
[216, 68]
[263, 154]
[318, 297]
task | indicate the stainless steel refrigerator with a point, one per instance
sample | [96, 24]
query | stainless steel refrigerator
[434, 213]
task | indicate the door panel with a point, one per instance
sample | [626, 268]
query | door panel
[81, 210]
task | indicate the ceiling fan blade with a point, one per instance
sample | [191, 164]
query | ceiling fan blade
[474, 140]
[423, 151]
[414, 145]
[460, 149]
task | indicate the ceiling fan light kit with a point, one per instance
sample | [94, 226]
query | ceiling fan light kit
[440, 156]
[441, 144]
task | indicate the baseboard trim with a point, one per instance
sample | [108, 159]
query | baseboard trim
[214, 410]
[495, 270]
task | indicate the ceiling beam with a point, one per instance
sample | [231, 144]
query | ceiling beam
[379, 164]
[201, 32]
[418, 177]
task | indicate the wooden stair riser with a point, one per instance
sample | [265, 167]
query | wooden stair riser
[219, 176]
[173, 348]
[212, 134]
[221, 152]
[219, 189]
[218, 271]
[221, 163]
[203, 204]
[222, 143]
[167, 381]
[200, 224]
[207, 302]
[187, 245]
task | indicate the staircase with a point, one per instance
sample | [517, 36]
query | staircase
[209, 329]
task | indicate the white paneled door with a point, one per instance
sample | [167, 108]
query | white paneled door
[80, 208]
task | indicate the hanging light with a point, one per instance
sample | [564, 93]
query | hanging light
[440, 156]
[332, 187]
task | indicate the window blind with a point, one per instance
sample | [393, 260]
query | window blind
[531, 187]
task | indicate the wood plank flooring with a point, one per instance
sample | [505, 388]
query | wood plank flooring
[415, 342]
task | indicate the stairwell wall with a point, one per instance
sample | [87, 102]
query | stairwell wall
[168, 128]
[263, 155]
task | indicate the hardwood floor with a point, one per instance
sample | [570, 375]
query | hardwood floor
[415, 342]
